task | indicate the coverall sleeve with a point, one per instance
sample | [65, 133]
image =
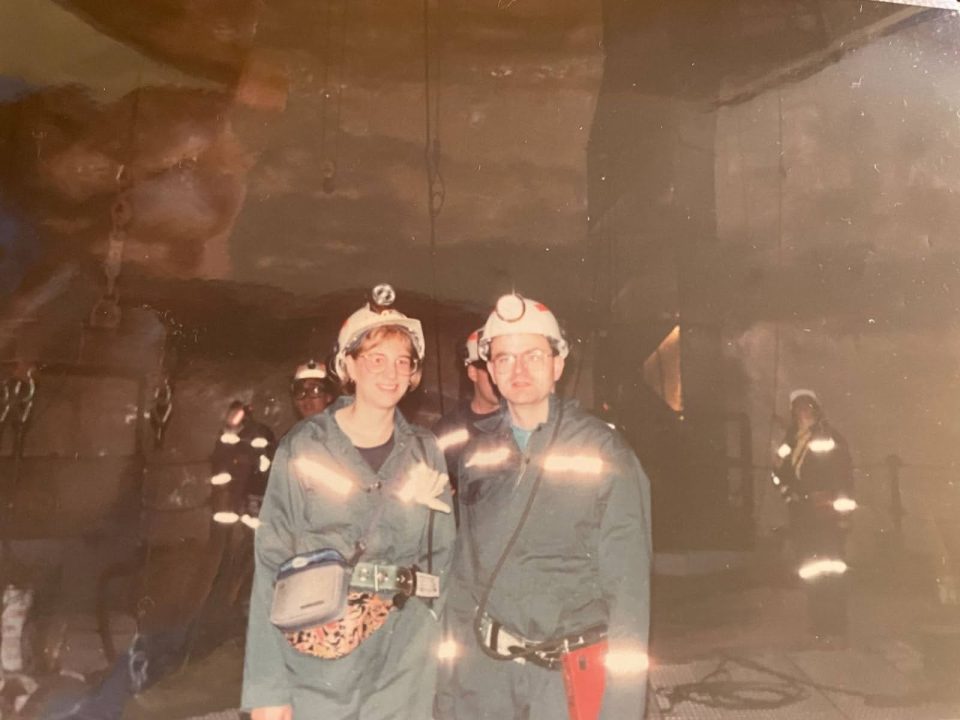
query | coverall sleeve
[265, 680]
[444, 528]
[625, 563]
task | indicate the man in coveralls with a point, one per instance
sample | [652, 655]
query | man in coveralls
[457, 427]
[554, 550]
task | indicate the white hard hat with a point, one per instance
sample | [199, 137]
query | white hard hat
[802, 392]
[311, 369]
[516, 315]
[472, 347]
[374, 314]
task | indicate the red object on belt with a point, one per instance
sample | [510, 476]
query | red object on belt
[583, 677]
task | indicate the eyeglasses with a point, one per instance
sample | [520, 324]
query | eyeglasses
[377, 363]
[309, 391]
[534, 359]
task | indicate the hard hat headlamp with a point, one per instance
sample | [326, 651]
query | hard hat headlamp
[381, 297]
[510, 308]
[515, 315]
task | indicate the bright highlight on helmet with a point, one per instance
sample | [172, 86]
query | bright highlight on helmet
[225, 518]
[627, 662]
[586, 464]
[783, 451]
[488, 458]
[264, 463]
[259, 443]
[844, 505]
[776, 480]
[822, 445]
[448, 650]
[229, 438]
[221, 478]
[510, 308]
[814, 569]
[316, 473]
[453, 438]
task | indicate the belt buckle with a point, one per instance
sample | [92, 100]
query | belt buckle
[406, 581]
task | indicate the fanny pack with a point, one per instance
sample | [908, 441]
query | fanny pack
[315, 588]
[311, 589]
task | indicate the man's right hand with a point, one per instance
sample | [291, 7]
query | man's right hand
[276, 712]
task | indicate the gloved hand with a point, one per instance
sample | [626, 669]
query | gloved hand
[424, 485]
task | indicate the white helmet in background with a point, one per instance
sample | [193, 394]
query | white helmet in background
[376, 313]
[803, 392]
[517, 315]
[471, 347]
[311, 369]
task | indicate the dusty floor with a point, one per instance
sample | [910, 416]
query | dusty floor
[724, 645]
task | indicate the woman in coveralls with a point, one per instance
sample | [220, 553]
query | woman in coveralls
[331, 473]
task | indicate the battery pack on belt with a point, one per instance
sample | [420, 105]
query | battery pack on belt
[584, 679]
[394, 578]
[548, 654]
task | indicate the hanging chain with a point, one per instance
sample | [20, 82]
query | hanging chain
[161, 410]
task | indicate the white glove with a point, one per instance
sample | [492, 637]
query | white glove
[424, 486]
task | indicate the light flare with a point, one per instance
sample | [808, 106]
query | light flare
[822, 445]
[264, 463]
[784, 451]
[584, 464]
[814, 569]
[627, 662]
[251, 522]
[488, 458]
[844, 505]
[448, 650]
[453, 438]
[315, 473]
[221, 478]
[225, 517]
[229, 438]
[259, 443]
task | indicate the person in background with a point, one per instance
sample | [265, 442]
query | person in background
[356, 481]
[312, 388]
[815, 477]
[457, 427]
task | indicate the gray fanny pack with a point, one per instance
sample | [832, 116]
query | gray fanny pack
[311, 589]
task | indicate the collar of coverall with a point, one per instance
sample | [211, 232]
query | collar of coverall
[402, 430]
[402, 434]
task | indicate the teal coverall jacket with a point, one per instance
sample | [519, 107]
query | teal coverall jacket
[391, 675]
[582, 559]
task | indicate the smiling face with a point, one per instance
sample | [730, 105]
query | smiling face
[383, 368]
[525, 368]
